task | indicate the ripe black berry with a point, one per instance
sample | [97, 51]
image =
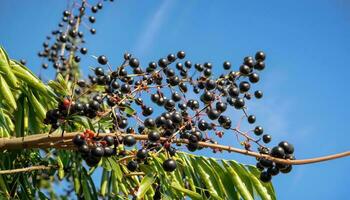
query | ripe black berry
[254, 77]
[132, 166]
[273, 171]
[221, 106]
[287, 147]
[251, 119]
[213, 114]
[244, 86]
[134, 62]
[142, 154]
[109, 140]
[258, 130]
[169, 165]
[260, 56]
[277, 152]
[238, 103]
[99, 71]
[78, 140]
[129, 141]
[244, 69]
[258, 94]
[153, 136]
[102, 60]
[287, 169]
[181, 54]
[97, 151]
[227, 65]
[266, 138]
[265, 177]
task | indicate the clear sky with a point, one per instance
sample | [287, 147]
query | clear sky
[306, 80]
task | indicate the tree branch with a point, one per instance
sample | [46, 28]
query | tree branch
[57, 141]
[27, 169]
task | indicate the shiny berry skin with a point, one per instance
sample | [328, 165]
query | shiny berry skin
[227, 65]
[254, 77]
[142, 154]
[108, 151]
[239, 103]
[266, 163]
[260, 65]
[99, 71]
[287, 147]
[129, 141]
[132, 166]
[84, 149]
[78, 140]
[83, 50]
[251, 119]
[153, 136]
[221, 106]
[134, 62]
[265, 177]
[258, 130]
[287, 169]
[244, 69]
[109, 140]
[266, 138]
[277, 152]
[260, 56]
[169, 165]
[244, 86]
[213, 114]
[97, 151]
[171, 58]
[102, 60]
[181, 55]
[273, 171]
[258, 94]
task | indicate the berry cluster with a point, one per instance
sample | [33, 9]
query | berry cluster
[176, 115]
[284, 150]
[63, 51]
[155, 100]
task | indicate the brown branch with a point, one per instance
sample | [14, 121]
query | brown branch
[27, 169]
[57, 141]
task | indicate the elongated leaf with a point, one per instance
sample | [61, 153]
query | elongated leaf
[189, 193]
[6, 93]
[104, 182]
[6, 69]
[244, 192]
[145, 185]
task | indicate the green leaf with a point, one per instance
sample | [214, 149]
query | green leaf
[128, 110]
[242, 189]
[6, 69]
[60, 168]
[145, 185]
[191, 194]
[104, 182]
[6, 93]
[225, 178]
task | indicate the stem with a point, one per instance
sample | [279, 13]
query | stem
[27, 169]
[65, 142]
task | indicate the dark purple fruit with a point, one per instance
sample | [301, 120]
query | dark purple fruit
[78, 140]
[169, 165]
[277, 152]
[265, 177]
[132, 166]
[129, 140]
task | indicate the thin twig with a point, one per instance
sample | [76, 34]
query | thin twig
[28, 169]
[47, 141]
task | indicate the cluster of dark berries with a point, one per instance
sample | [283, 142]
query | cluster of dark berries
[63, 46]
[93, 148]
[67, 107]
[153, 101]
[284, 150]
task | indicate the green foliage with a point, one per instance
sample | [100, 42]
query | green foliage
[25, 100]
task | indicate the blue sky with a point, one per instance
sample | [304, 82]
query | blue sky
[305, 82]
